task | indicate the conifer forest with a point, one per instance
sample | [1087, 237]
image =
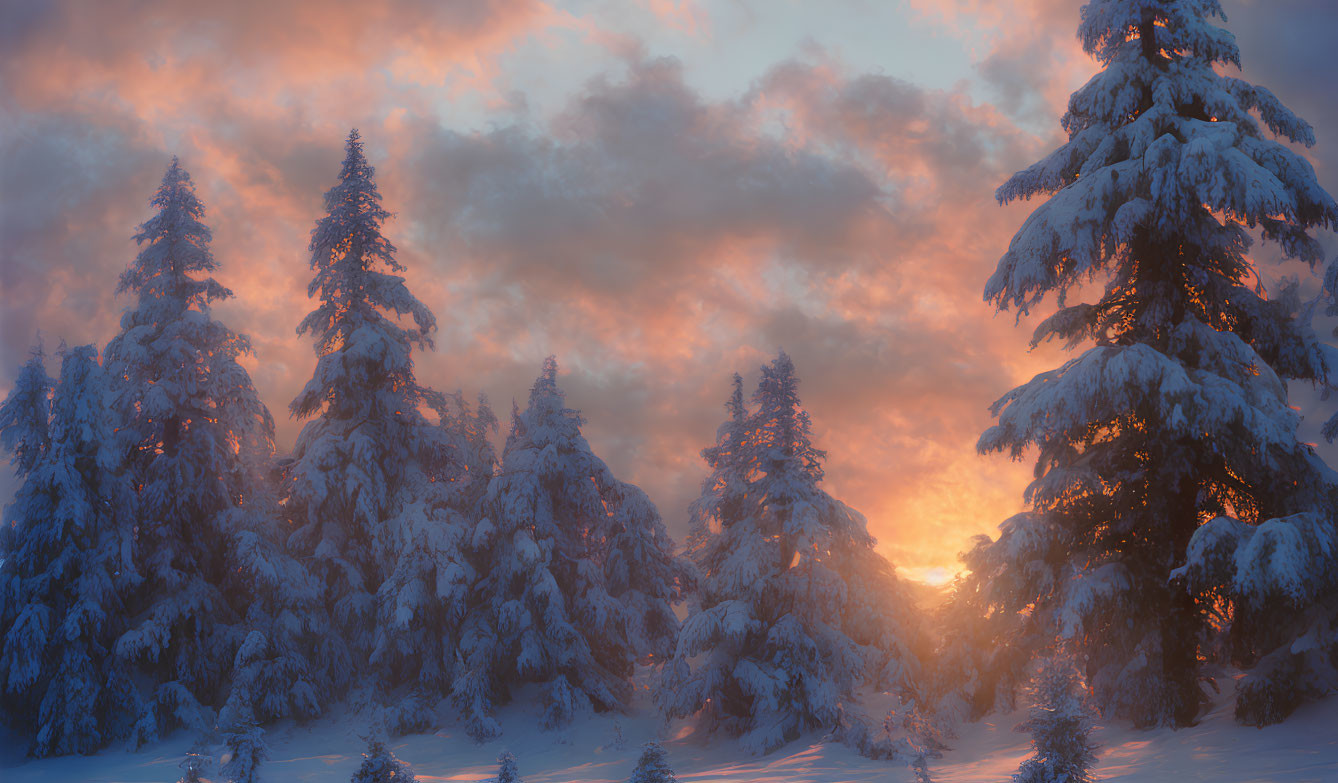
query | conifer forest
[678, 390]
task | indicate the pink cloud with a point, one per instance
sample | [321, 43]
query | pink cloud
[655, 239]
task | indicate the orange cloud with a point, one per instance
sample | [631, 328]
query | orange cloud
[656, 239]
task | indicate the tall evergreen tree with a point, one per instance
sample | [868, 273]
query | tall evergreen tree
[425, 596]
[374, 489]
[276, 671]
[796, 611]
[471, 431]
[58, 546]
[578, 574]
[1178, 414]
[25, 432]
[196, 438]
[25, 417]
[725, 489]
[980, 663]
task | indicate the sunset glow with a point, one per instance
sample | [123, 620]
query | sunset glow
[659, 193]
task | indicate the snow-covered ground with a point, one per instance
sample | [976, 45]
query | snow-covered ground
[1302, 750]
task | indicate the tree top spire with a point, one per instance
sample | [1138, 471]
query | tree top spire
[546, 384]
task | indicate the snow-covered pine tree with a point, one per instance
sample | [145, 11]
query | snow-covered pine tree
[980, 663]
[1281, 577]
[25, 432]
[196, 439]
[246, 752]
[373, 489]
[58, 551]
[1178, 414]
[578, 575]
[507, 769]
[471, 431]
[379, 765]
[914, 734]
[1060, 722]
[653, 766]
[725, 489]
[425, 597]
[795, 611]
[636, 558]
[275, 671]
[25, 416]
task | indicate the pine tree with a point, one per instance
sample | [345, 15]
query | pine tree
[379, 765]
[726, 487]
[1060, 722]
[921, 769]
[374, 490]
[470, 432]
[1178, 414]
[58, 604]
[796, 611]
[980, 663]
[25, 417]
[640, 572]
[1281, 577]
[653, 766]
[578, 574]
[246, 752]
[507, 770]
[196, 439]
[426, 596]
[25, 432]
[914, 734]
[275, 672]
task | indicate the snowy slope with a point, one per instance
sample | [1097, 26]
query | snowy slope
[1304, 749]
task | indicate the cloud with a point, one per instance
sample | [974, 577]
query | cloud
[658, 241]
[65, 181]
[255, 97]
[655, 234]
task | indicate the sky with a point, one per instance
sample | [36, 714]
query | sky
[660, 193]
